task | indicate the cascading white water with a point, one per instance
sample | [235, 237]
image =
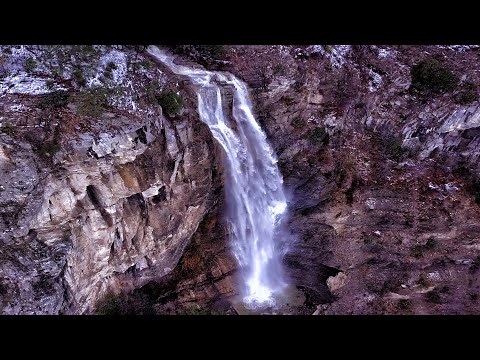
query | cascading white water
[254, 192]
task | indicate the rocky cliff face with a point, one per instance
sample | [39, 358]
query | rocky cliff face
[384, 196]
[99, 204]
[383, 182]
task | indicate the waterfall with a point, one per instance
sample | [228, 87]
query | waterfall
[255, 199]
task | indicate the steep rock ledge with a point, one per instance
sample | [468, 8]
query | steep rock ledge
[111, 206]
[114, 213]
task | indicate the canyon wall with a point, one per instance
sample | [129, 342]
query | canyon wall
[382, 182]
[94, 204]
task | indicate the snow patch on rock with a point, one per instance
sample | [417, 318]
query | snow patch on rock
[336, 54]
[374, 80]
[24, 84]
[384, 53]
[461, 48]
[18, 107]
[120, 60]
